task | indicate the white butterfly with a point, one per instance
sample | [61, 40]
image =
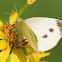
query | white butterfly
[42, 33]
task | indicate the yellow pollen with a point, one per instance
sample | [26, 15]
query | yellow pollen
[6, 47]
[7, 28]
[12, 37]
[21, 43]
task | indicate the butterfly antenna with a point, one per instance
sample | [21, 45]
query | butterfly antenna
[9, 14]
[13, 26]
[15, 7]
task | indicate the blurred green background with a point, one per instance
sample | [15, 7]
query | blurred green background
[41, 8]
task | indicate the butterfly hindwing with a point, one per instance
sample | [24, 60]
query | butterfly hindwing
[29, 34]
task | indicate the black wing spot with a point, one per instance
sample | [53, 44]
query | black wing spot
[51, 29]
[45, 36]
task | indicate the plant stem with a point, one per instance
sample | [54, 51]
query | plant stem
[23, 9]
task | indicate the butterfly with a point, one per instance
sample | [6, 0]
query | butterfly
[42, 33]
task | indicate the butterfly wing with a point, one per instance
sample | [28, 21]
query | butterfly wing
[46, 30]
[28, 33]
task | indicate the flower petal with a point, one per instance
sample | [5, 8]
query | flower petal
[35, 57]
[29, 49]
[2, 36]
[4, 54]
[27, 60]
[17, 55]
[12, 18]
[30, 1]
[1, 24]
[3, 44]
[41, 55]
[31, 58]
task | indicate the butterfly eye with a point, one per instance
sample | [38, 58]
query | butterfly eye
[45, 36]
[51, 29]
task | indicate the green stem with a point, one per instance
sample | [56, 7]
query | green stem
[23, 9]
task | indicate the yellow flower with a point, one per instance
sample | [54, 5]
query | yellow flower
[32, 56]
[35, 57]
[30, 1]
[8, 41]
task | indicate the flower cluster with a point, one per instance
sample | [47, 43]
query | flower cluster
[9, 42]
